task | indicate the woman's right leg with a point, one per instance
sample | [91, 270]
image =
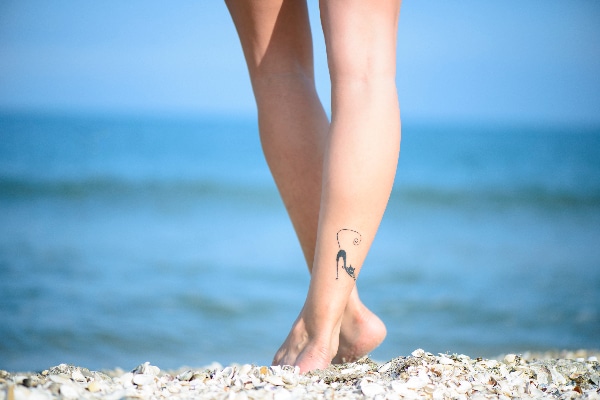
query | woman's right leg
[360, 159]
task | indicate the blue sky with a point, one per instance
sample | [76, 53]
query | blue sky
[533, 61]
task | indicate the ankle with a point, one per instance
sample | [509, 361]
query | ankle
[321, 323]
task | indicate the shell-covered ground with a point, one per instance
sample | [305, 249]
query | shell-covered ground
[422, 375]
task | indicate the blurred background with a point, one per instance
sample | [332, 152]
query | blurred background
[139, 221]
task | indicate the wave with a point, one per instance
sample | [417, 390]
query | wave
[117, 189]
[93, 186]
[533, 195]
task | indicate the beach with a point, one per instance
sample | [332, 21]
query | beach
[420, 375]
[125, 240]
[131, 239]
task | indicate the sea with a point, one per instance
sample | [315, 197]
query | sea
[126, 239]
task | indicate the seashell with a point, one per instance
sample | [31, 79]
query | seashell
[385, 367]
[27, 382]
[478, 387]
[173, 389]
[429, 388]
[245, 369]
[516, 381]
[418, 353]
[255, 381]
[464, 387]
[20, 378]
[275, 369]
[125, 379]
[534, 391]
[503, 371]
[60, 379]
[542, 373]
[147, 369]
[510, 358]
[505, 388]
[200, 375]
[445, 360]
[348, 371]
[139, 369]
[371, 389]
[68, 391]
[575, 375]
[416, 382]
[490, 363]
[185, 376]
[78, 376]
[400, 389]
[557, 376]
[274, 380]
[93, 387]
[282, 395]
[153, 370]
[226, 375]
[425, 376]
[52, 387]
[289, 379]
[240, 396]
[143, 379]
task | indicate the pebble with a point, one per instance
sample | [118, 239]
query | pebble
[420, 375]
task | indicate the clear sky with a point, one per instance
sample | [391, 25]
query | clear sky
[535, 60]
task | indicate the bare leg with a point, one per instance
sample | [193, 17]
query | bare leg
[277, 44]
[275, 36]
[359, 167]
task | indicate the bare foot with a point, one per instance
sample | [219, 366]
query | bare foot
[361, 332]
[307, 352]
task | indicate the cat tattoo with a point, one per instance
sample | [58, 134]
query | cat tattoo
[347, 236]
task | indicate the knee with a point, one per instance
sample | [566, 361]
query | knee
[365, 72]
[295, 79]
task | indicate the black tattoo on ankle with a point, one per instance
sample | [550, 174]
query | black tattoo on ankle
[343, 255]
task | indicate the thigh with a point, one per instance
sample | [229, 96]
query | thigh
[275, 34]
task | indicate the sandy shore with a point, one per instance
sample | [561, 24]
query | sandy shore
[421, 375]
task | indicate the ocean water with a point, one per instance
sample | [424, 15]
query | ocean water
[124, 240]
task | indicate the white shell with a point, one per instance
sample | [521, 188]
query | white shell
[418, 353]
[94, 387]
[146, 368]
[186, 375]
[371, 389]
[78, 376]
[445, 360]
[385, 367]
[420, 376]
[274, 380]
[464, 387]
[68, 391]
[143, 379]
[510, 358]
[557, 377]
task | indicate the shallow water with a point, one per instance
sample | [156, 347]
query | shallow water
[125, 240]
